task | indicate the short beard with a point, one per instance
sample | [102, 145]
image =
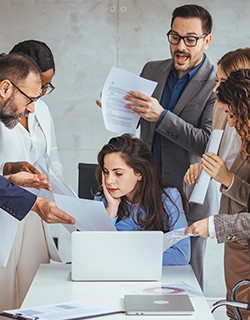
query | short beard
[8, 113]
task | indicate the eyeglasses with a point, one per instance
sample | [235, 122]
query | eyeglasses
[190, 41]
[47, 88]
[31, 100]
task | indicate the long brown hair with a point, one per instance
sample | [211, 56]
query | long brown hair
[148, 192]
[235, 60]
[235, 91]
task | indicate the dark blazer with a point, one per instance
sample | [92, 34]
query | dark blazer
[186, 130]
[231, 227]
[15, 200]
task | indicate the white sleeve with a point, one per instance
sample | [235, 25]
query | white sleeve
[211, 228]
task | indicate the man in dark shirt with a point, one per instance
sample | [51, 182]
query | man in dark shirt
[176, 121]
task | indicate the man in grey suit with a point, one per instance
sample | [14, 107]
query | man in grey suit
[176, 121]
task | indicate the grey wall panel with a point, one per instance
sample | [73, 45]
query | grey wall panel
[87, 37]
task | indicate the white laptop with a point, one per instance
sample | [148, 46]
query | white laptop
[117, 255]
[158, 305]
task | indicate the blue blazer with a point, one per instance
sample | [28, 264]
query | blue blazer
[15, 200]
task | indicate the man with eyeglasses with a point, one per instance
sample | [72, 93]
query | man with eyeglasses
[176, 121]
[20, 86]
[33, 137]
[35, 134]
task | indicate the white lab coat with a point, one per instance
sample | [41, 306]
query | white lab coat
[13, 148]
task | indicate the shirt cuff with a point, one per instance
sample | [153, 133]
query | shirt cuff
[226, 189]
[1, 168]
[161, 117]
[211, 228]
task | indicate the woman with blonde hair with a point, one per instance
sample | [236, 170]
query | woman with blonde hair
[233, 98]
[231, 61]
[230, 145]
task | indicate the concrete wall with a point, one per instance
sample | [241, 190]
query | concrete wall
[87, 37]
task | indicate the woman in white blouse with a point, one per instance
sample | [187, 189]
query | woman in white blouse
[27, 244]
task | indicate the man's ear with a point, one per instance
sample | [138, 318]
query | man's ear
[5, 88]
[208, 40]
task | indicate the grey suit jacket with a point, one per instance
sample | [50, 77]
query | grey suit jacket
[186, 130]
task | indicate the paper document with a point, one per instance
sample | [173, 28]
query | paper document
[59, 186]
[90, 215]
[116, 116]
[200, 188]
[174, 236]
[175, 288]
[60, 311]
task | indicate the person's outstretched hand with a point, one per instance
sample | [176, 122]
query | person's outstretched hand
[14, 167]
[49, 212]
[30, 180]
[199, 228]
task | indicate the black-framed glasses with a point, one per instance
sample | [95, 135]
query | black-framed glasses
[31, 100]
[47, 88]
[190, 41]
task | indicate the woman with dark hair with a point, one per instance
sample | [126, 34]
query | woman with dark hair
[21, 147]
[134, 197]
[43, 56]
[233, 97]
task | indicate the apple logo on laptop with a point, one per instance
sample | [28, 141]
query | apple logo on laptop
[161, 302]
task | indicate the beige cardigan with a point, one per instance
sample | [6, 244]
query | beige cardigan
[237, 259]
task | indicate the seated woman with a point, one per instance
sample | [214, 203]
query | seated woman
[134, 197]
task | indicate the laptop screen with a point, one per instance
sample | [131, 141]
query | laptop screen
[117, 256]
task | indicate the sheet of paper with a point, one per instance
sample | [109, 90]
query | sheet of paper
[175, 288]
[61, 311]
[59, 186]
[200, 189]
[90, 215]
[116, 116]
[172, 237]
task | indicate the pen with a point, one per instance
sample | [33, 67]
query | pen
[18, 316]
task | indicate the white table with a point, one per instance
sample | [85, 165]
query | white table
[52, 284]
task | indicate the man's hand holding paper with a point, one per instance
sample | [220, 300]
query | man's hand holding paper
[147, 107]
[118, 85]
